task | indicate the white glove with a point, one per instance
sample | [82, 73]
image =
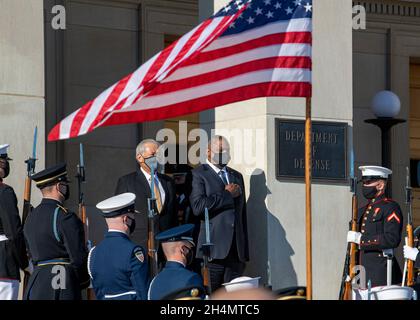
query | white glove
[410, 253]
[353, 236]
[30, 268]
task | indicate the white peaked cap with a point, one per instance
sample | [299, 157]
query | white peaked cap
[375, 172]
[117, 202]
[242, 283]
[3, 148]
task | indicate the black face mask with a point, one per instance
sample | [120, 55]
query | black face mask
[221, 159]
[132, 226]
[369, 192]
[5, 167]
[180, 188]
[64, 190]
[189, 256]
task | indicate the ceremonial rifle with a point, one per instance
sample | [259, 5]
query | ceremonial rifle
[205, 248]
[151, 208]
[350, 262]
[30, 170]
[409, 228]
[81, 178]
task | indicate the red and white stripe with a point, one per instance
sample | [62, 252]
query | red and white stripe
[202, 71]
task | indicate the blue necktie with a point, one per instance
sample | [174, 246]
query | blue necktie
[222, 175]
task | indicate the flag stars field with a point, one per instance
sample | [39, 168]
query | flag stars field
[251, 20]
[269, 15]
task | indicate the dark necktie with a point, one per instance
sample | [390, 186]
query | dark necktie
[222, 175]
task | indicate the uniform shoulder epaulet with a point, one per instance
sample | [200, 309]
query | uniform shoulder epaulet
[62, 208]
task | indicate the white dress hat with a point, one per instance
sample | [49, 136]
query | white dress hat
[117, 205]
[375, 172]
[3, 151]
[242, 283]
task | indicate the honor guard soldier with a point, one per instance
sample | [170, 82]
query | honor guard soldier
[12, 244]
[117, 266]
[175, 278]
[380, 223]
[56, 242]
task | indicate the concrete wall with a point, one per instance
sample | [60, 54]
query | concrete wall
[276, 209]
[22, 86]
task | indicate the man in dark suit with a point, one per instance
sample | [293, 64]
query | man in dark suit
[139, 183]
[221, 190]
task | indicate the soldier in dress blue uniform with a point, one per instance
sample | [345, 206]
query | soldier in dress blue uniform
[56, 242]
[175, 280]
[380, 223]
[117, 266]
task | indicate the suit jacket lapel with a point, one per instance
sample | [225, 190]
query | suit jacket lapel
[165, 188]
[232, 176]
[142, 185]
[214, 174]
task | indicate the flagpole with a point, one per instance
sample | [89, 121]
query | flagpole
[308, 181]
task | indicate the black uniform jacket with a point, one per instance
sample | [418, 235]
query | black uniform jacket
[56, 238]
[137, 183]
[12, 251]
[380, 223]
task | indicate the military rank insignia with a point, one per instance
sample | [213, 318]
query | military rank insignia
[139, 255]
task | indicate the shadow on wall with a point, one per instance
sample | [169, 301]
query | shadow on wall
[261, 223]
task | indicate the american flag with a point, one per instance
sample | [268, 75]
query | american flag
[249, 49]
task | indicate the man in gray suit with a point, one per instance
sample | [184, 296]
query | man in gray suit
[220, 189]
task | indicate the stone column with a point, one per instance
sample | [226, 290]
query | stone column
[22, 99]
[22, 87]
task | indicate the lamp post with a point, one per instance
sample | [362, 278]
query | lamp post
[385, 106]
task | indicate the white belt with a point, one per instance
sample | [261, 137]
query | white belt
[110, 296]
[3, 237]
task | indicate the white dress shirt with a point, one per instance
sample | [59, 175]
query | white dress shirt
[149, 179]
[217, 170]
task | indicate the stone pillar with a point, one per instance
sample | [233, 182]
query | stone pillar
[22, 87]
[22, 99]
[276, 209]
